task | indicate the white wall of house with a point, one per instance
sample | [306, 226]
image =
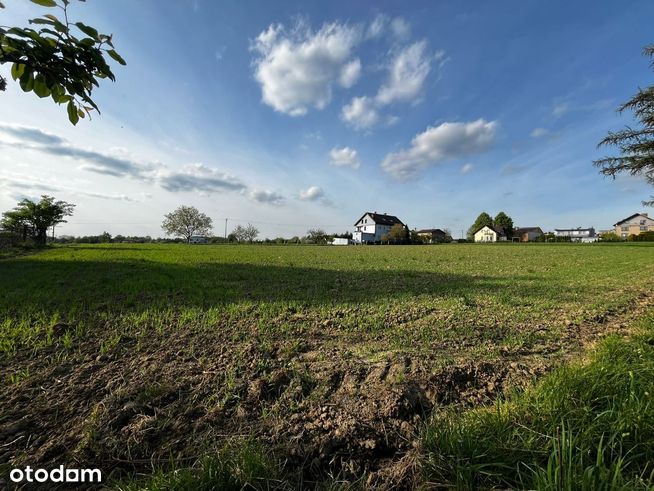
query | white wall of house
[486, 234]
[366, 230]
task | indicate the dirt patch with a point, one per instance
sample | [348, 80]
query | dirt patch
[320, 405]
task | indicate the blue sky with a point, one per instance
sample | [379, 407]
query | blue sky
[292, 115]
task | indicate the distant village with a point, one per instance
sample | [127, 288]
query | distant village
[377, 228]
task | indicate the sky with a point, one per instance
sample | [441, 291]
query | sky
[293, 115]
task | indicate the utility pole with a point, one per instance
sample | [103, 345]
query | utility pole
[225, 228]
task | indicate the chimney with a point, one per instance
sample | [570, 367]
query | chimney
[644, 214]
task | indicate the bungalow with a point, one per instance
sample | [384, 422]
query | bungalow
[433, 235]
[526, 234]
[490, 234]
[372, 226]
[577, 234]
[197, 239]
[634, 225]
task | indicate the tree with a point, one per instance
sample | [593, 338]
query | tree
[316, 235]
[53, 61]
[636, 145]
[33, 219]
[504, 221]
[186, 221]
[246, 234]
[397, 233]
[483, 220]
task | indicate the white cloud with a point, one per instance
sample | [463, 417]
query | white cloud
[466, 168]
[407, 74]
[268, 197]
[199, 178]
[377, 27]
[560, 109]
[436, 144]
[539, 132]
[360, 113]
[401, 28]
[350, 73]
[344, 157]
[296, 69]
[312, 193]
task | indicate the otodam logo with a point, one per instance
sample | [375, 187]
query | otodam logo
[57, 475]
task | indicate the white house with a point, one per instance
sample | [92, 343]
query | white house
[489, 234]
[372, 226]
[340, 241]
[577, 234]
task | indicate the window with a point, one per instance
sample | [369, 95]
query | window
[643, 229]
[642, 222]
[625, 228]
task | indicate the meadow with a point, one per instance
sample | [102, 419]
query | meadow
[320, 363]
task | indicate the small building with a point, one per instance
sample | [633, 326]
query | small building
[577, 234]
[372, 226]
[634, 225]
[526, 234]
[490, 234]
[198, 239]
[433, 235]
[340, 241]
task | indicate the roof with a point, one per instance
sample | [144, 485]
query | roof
[644, 215]
[497, 230]
[526, 230]
[381, 218]
[431, 231]
[574, 229]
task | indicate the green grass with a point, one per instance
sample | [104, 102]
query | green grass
[587, 426]
[490, 295]
[170, 328]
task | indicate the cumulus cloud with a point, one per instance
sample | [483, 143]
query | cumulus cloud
[350, 73]
[312, 193]
[344, 157]
[401, 28]
[199, 177]
[407, 74]
[466, 168]
[435, 145]
[360, 113]
[377, 27]
[539, 132]
[268, 197]
[297, 68]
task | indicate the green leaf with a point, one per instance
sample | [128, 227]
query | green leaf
[27, 81]
[17, 70]
[45, 3]
[72, 113]
[88, 30]
[116, 56]
[40, 87]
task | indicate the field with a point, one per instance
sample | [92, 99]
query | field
[321, 363]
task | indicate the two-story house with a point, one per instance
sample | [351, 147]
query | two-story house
[577, 234]
[490, 234]
[634, 225]
[372, 226]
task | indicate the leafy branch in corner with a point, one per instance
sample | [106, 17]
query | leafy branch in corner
[58, 58]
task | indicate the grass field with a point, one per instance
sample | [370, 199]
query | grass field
[330, 359]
